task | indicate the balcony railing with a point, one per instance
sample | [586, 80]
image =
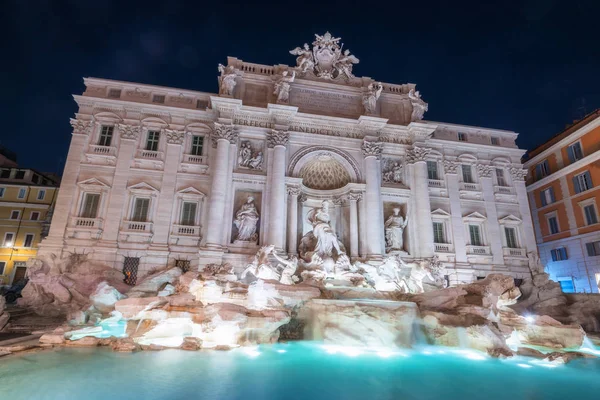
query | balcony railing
[437, 183]
[81, 222]
[470, 187]
[186, 230]
[103, 150]
[504, 190]
[514, 252]
[137, 226]
[444, 248]
[478, 250]
[150, 155]
[192, 159]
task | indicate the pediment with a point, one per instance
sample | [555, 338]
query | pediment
[510, 219]
[93, 182]
[142, 186]
[474, 216]
[191, 191]
[440, 213]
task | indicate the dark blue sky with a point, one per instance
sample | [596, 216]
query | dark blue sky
[526, 66]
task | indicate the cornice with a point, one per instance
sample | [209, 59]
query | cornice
[565, 171]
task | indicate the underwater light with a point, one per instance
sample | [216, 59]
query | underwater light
[252, 352]
[281, 351]
[530, 318]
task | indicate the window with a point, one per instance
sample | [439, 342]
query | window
[36, 178]
[106, 134]
[8, 239]
[511, 237]
[432, 172]
[28, 242]
[41, 194]
[575, 152]
[188, 213]
[475, 234]
[140, 210]
[500, 177]
[20, 174]
[438, 232]
[495, 141]
[590, 214]
[467, 173]
[15, 214]
[5, 173]
[582, 182]
[152, 141]
[2, 265]
[35, 215]
[553, 225]
[462, 137]
[201, 104]
[90, 205]
[559, 254]
[114, 93]
[130, 270]
[158, 98]
[197, 145]
[567, 285]
[547, 196]
[2, 190]
[184, 265]
[22, 192]
[593, 248]
[542, 169]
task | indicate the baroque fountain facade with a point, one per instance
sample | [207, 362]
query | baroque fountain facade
[299, 203]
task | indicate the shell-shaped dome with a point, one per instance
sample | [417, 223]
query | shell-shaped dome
[324, 172]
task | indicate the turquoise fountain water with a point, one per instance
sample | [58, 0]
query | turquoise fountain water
[301, 370]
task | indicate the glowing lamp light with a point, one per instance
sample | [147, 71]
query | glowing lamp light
[8, 244]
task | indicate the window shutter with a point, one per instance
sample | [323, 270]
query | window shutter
[571, 153]
[543, 198]
[563, 253]
[590, 249]
[576, 185]
[588, 179]
[553, 255]
[552, 198]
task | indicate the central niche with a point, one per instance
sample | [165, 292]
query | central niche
[324, 172]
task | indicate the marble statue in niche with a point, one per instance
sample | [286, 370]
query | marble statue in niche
[249, 158]
[282, 87]
[321, 247]
[246, 220]
[392, 171]
[227, 80]
[371, 96]
[394, 230]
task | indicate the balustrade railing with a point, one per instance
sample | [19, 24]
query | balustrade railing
[150, 155]
[103, 150]
[191, 159]
[444, 247]
[186, 230]
[81, 222]
[478, 250]
[137, 226]
[471, 187]
[514, 252]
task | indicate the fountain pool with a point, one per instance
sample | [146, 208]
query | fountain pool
[300, 370]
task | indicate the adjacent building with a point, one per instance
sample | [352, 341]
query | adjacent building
[160, 176]
[26, 200]
[563, 181]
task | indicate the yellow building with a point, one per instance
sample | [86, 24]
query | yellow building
[26, 202]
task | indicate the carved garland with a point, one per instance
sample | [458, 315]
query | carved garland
[450, 167]
[372, 149]
[517, 174]
[355, 196]
[294, 191]
[129, 132]
[417, 154]
[222, 131]
[174, 137]
[484, 171]
[277, 138]
[81, 127]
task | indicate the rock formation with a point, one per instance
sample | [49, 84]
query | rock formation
[3, 314]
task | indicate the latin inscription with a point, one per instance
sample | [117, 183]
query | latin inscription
[335, 103]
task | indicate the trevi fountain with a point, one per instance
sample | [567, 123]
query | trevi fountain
[350, 315]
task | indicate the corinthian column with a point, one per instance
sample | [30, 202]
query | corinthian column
[277, 140]
[373, 203]
[420, 188]
[221, 136]
[292, 238]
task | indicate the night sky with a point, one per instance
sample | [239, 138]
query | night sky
[528, 66]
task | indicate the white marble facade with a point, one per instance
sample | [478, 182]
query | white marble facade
[180, 165]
